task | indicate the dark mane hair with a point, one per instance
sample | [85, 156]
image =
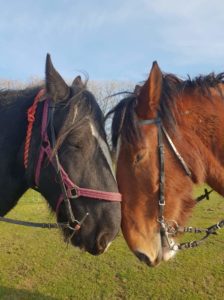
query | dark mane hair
[86, 104]
[83, 100]
[125, 120]
[10, 97]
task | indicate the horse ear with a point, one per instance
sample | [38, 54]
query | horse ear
[78, 84]
[55, 84]
[137, 89]
[150, 93]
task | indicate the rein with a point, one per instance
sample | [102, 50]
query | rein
[171, 228]
[33, 224]
[69, 190]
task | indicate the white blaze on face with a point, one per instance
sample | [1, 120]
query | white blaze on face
[103, 146]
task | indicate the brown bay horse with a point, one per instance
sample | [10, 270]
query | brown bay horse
[168, 135]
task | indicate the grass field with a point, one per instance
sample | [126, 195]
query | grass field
[37, 264]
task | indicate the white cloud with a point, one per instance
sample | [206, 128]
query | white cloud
[192, 31]
[117, 39]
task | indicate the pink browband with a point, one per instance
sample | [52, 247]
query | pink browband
[46, 149]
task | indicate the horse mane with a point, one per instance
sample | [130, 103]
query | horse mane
[125, 121]
[10, 97]
[83, 105]
[83, 100]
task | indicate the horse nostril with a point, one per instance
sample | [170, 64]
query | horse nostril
[102, 241]
[144, 258]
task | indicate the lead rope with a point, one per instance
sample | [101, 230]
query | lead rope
[208, 231]
[31, 119]
[34, 224]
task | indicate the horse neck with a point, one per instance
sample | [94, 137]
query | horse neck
[13, 123]
[13, 109]
[14, 119]
[198, 131]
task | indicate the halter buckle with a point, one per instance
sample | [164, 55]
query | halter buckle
[162, 222]
[76, 225]
[172, 227]
[74, 193]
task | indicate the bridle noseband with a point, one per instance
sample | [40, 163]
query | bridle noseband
[69, 190]
[171, 228]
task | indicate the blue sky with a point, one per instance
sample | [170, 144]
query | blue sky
[111, 40]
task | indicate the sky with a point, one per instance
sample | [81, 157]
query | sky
[111, 40]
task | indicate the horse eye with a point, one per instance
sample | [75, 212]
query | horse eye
[75, 146]
[138, 158]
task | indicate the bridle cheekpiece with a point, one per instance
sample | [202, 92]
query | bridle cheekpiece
[171, 228]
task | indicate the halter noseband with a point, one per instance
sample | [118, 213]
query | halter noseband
[168, 228]
[69, 190]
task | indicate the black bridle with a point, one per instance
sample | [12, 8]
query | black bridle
[171, 228]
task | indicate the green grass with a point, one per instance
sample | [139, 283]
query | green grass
[37, 264]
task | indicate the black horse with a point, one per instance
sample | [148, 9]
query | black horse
[69, 123]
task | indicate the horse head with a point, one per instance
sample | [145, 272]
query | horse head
[69, 163]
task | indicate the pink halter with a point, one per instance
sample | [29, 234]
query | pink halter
[70, 186]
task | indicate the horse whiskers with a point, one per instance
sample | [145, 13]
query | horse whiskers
[71, 236]
[68, 239]
[66, 244]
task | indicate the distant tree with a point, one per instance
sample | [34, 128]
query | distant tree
[106, 94]
[104, 91]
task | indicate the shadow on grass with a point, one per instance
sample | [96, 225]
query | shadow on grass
[21, 294]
